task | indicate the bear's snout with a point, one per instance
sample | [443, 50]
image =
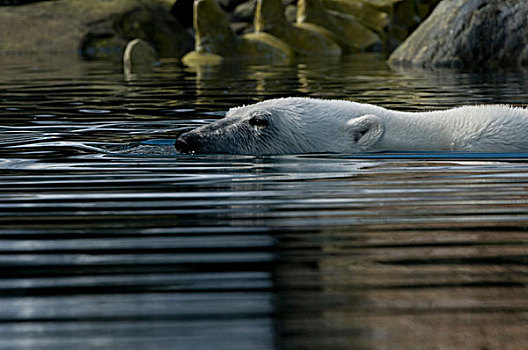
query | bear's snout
[187, 143]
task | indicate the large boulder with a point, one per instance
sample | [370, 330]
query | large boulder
[470, 34]
[98, 28]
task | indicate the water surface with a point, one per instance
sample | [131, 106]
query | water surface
[110, 239]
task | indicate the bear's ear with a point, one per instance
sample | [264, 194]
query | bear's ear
[366, 130]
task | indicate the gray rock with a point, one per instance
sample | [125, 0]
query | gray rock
[471, 34]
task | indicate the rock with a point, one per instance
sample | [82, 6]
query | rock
[346, 30]
[245, 12]
[383, 5]
[406, 14]
[290, 12]
[240, 28]
[101, 28]
[212, 30]
[155, 25]
[139, 56]
[404, 20]
[371, 17]
[267, 47]
[215, 41]
[197, 58]
[473, 34]
[230, 5]
[270, 18]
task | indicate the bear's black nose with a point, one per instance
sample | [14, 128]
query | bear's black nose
[187, 143]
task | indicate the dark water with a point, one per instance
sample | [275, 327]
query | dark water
[111, 240]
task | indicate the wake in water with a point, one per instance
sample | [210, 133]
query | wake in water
[150, 148]
[165, 148]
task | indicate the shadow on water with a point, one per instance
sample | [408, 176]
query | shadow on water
[108, 238]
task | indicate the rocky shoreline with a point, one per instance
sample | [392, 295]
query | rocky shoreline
[101, 28]
[487, 33]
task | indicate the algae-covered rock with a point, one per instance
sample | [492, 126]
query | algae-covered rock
[99, 28]
[290, 13]
[475, 34]
[245, 12]
[371, 17]
[347, 31]
[384, 5]
[270, 18]
[266, 46]
[212, 31]
[139, 56]
[240, 28]
[215, 41]
[197, 58]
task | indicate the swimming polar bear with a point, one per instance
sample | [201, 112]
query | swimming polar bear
[307, 125]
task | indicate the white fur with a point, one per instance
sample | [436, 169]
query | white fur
[305, 125]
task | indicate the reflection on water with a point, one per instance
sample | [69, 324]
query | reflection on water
[109, 239]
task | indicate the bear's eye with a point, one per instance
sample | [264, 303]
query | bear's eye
[258, 121]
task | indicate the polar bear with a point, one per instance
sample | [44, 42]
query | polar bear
[306, 125]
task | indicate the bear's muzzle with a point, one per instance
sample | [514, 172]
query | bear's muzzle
[188, 143]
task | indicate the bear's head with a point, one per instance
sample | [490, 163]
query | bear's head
[285, 126]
